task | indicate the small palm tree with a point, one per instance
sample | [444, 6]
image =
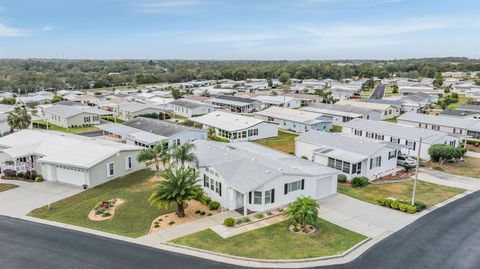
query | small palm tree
[179, 186]
[183, 154]
[159, 152]
[303, 211]
[19, 119]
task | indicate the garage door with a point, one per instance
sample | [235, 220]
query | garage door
[70, 175]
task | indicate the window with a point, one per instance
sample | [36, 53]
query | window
[357, 168]
[358, 132]
[206, 181]
[110, 169]
[392, 154]
[375, 162]
[395, 140]
[379, 137]
[257, 197]
[436, 127]
[212, 184]
[452, 143]
[369, 135]
[346, 167]
[270, 196]
[331, 162]
[176, 142]
[293, 186]
[218, 188]
[96, 118]
[86, 119]
[128, 163]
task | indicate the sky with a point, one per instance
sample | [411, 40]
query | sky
[239, 29]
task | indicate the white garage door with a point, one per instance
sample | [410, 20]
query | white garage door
[70, 175]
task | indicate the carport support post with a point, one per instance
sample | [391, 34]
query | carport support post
[416, 172]
[245, 205]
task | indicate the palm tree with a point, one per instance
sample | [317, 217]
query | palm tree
[19, 119]
[326, 94]
[183, 154]
[179, 186]
[159, 152]
[303, 211]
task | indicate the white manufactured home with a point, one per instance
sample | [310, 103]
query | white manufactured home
[248, 177]
[67, 158]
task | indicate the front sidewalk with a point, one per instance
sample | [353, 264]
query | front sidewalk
[451, 180]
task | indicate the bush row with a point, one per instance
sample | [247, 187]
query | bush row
[28, 176]
[402, 205]
[212, 205]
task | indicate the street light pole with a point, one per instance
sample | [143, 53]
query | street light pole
[416, 173]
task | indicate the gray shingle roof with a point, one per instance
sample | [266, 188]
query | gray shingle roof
[157, 127]
[437, 120]
[70, 111]
[186, 103]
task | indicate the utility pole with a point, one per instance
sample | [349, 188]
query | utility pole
[416, 173]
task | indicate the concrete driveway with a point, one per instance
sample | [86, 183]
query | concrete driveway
[361, 217]
[28, 196]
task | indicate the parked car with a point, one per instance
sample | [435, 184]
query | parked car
[405, 160]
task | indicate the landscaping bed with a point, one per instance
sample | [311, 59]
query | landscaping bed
[105, 210]
[285, 141]
[277, 242]
[132, 219]
[195, 210]
[7, 186]
[469, 167]
[429, 193]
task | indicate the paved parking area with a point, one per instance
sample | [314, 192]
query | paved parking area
[28, 196]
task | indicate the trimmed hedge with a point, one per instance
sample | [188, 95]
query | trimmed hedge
[214, 205]
[229, 222]
[341, 178]
[401, 205]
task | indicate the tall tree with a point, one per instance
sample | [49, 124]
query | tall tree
[19, 119]
[438, 81]
[159, 153]
[179, 186]
[183, 154]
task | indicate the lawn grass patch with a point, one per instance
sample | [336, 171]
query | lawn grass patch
[470, 167]
[392, 120]
[428, 193]
[276, 242]
[132, 219]
[285, 141]
[336, 129]
[7, 186]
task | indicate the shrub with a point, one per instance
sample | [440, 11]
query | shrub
[420, 206]
[381, 201]
[269, 212]
[9, 173]
[259, 216]
[358, 182]
[388, 202]
[341, 178]
[213, 205]
[106, 214]
[156, 225]
[402, 207]
[39, 179]
[239, 221]
[19, 175]
[171, 223]
[206, 200]
[229, 222]
[411, 209]
[394, 205]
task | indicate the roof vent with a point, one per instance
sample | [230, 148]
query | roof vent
[254, 159]
[226, 153]
[295, 167]
[267, 171]
[280, 169]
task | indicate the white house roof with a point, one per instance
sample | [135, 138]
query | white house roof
[246, 166]
[396, 130]
[438, 120]
[274, 99]
[331, 111]
[135, 107]
[291, 114]
[61, 148]
[340, 146]
[227, 121]
[70, 111]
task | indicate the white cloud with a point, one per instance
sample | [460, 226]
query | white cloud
[9, 31]
[168, 6]
[47, 28]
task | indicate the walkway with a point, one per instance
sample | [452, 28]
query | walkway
[226, 232]
[187, 228]
[442, 178]
[30, 195]
[473, 154]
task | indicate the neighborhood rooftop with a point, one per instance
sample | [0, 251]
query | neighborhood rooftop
[290, 114]
[439, 120]
[246, 166]
[69, 111]
[227, 121]
[158, 127]
[395, 130]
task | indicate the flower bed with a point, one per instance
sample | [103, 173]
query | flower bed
[105, 209]
[195, 210]
[230, 222]
[298, 229]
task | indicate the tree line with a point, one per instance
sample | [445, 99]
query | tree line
[34, 74]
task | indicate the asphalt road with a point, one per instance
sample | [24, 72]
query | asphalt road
[446, 238]
[379, 92]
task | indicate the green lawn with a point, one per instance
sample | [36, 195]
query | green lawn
[285, 142]
[131, 219]
[393, 120]
[77, 130]
[389, 91]
[7, 186]
[428, 193]
[462, 100]
[470, 167]
[336, 129]
[112, 119]
[366, 94]
[276, 242]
